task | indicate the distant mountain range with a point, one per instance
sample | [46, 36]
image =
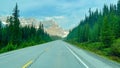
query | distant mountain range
[50, 26]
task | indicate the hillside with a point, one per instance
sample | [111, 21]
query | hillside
[99, 31]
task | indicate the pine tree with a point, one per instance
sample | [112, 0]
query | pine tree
[105, 10]
[14, 27]
[95, 33]
[106, 33]
[118, 8]
[118, 23]
[0, 32]
[86, 32]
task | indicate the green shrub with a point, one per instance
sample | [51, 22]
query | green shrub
[116, 49]
[9, 47]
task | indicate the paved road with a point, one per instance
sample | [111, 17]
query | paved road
[56, 54]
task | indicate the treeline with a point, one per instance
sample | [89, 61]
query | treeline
[14, 36]
[100, 26]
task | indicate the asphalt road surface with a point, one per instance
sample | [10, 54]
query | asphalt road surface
[56, 54]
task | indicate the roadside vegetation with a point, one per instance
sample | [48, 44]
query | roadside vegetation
[99, 32]
[112, 52]
[14, 36]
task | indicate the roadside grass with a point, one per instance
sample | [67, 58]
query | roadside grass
[112, 53]
[11, 47]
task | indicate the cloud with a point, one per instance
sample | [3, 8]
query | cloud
[53, 17]
[67, 13]
[58, 17]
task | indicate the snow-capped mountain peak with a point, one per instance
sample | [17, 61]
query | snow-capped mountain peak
[50, 26]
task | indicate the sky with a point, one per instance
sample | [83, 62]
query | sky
[67, 13]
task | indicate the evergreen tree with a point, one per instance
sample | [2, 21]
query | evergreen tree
[14, 27]
[14, 36]
[80, 34]
[118, 8]
[95, 33]
[106, 35]
[113, 9]
[86, 34]
[0, 32]
[105, 10]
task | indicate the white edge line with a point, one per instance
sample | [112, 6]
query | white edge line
[77, 57]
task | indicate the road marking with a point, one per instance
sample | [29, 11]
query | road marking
[28, 64]
[77, 57]
[46, 49]
[31, 61]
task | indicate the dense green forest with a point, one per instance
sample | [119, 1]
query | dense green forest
[100, 31]
[14, 36]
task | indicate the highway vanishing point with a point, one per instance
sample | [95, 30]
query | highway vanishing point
[55, 54]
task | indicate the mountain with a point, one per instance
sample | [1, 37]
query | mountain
[54, 29]
[50, 26]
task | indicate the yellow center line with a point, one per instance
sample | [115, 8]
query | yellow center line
[46, 49]
[31, 61]
[28, 64]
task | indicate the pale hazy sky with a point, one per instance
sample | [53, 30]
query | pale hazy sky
[67, 13]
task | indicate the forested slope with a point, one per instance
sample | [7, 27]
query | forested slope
[100, 31]
[14, 36]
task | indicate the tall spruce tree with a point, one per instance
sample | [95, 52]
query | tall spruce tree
[14, 27]
[106, 33]
[0, 32]
[118, 8]
[118, 23]
[105, 10]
